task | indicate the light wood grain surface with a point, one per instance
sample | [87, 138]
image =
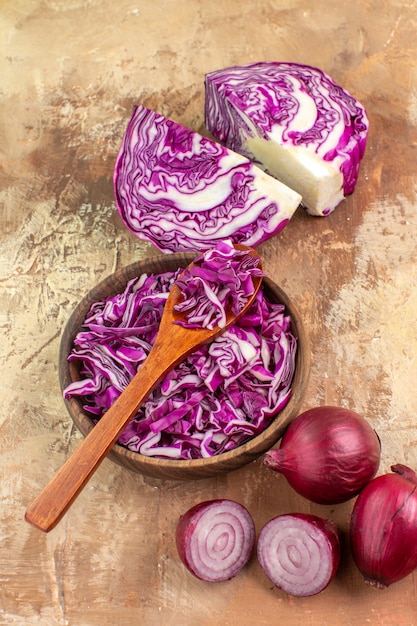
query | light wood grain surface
[71, 70]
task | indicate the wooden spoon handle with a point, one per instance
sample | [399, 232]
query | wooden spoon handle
[168, 350]
[173, 343]
[54, 500]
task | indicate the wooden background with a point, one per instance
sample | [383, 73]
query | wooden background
[70, 72]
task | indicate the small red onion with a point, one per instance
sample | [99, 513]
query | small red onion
[327, 454]
[383, 527]
[215, 539]
[300, 553]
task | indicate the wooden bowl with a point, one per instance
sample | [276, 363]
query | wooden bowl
[173, 468]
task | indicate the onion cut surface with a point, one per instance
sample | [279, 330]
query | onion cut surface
[299, 553]
[296, 122]
[182, 191]
[215, 539]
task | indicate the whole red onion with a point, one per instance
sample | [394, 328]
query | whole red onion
[383, 527]
[327, 454]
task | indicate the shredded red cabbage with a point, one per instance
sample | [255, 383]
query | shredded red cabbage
[218, 398]
[219, 280]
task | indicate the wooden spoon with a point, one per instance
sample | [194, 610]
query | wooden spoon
[172, 345]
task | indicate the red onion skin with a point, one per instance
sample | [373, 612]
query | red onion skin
[187, 525]
[330, 535]
[383, 527]
[327, 454]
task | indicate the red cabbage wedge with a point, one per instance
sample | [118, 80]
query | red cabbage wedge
[294, 120]
[182, 191]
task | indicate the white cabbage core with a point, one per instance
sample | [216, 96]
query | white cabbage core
[319, 183]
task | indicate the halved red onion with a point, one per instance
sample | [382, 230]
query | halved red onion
[215, 539]
[299, 552]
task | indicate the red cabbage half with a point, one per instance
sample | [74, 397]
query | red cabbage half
[182, 191]
[218, 398]
[296, 122]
